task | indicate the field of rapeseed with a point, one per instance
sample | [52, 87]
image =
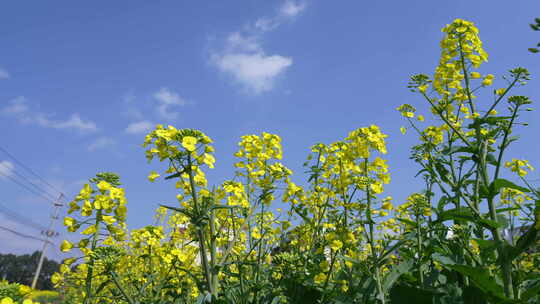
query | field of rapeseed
[469, 236]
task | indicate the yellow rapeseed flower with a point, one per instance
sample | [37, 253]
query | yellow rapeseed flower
[403, 130]
[66, 246]
[475, 75]
[68, 221]
[387, 205]
[153, 175]
[318, 279]
[500, 91]
[488, 80]
[189, 143]
[518, 165]
[91, 229]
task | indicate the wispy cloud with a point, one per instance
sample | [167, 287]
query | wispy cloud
[244, 58]
[6, 168]
[292, 8]
[16, 106]
[287, 12]
[167, 100]
[139, 127]
[4, 74]
[73, 122]
[256, 72]
[19, 108]
[101, 143]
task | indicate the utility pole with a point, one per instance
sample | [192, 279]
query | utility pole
[48, 234]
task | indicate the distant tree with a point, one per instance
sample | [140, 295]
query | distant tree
[536, 27]
[21, 269]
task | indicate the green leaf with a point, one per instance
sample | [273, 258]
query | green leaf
[458, 149]
[482, 279]
[442, 203]
[484, 192]
[443, 259]
[466, 214]
[443, 172]
[499, 183]
[473, 295]
[223, 207]
[403, 294]
[396, 272]
[421, 171]
[494, 120]
[181, 210]
[523, 243]
[502, 220]
[178, 174]
[532, 289]
[501, 210]
[510, 140]
[491, 159]
[408, 222]
[204, 298]
[486, 244]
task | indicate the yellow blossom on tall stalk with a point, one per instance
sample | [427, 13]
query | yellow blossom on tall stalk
[519, 166]
[463, 154]
[461, 45]
[103, 214]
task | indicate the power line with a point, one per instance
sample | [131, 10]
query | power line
[25, 186]
[25, 235]
[38, 188]
[30, 170]
[21, 219]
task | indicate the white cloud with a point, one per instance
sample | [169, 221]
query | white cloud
[139, 127]
[101, 143]
[6, 168]
[75, 122]
[167, 99]
[18, 107]
[237, 42]
[244, 58]
[288, 11]
[4, 74]
[256, 72]
[292, 8]
[266, 24]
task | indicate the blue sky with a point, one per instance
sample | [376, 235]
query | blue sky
[80, 83]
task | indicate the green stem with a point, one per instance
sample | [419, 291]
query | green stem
[372, 238]
[446, 121]
[504, 143]
[419, 247]
[117, 283]
[200, 233]
[506, 263]
[90, 273]
[331, 268]
[215, 283]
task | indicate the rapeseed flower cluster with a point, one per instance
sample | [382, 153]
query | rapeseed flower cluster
[340, 236]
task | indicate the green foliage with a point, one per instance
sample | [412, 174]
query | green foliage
[21, 269]
[535, 27]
